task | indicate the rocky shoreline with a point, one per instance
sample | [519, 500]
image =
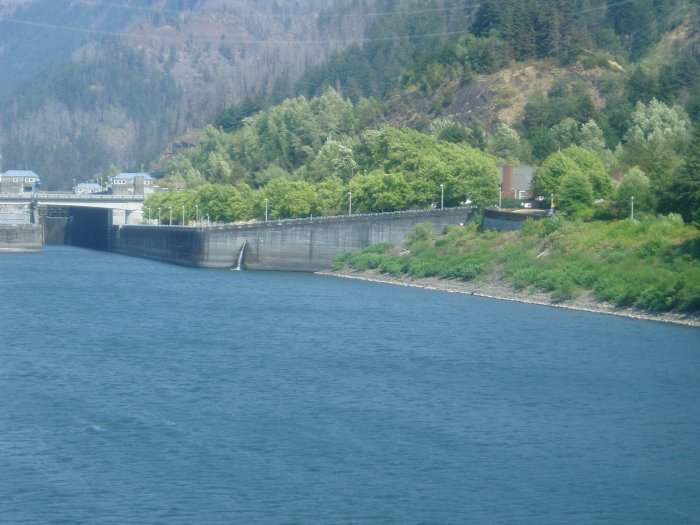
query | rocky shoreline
[493, 288]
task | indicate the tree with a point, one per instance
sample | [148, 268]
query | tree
[448, 130]
[271, 172]
[505, 144]
[685, 185]
[549, 176]
[592, 139]
[335, 116]
[634, 184]
[592, 167]
[658, 122]
[287, 199]
[573, 159]
[217, 169]
[564, 134]
[379, 192]
[334, 159]
[659, 162]
[332, 195]
[426, 163]
[575, 195]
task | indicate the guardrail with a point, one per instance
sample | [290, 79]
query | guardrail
[62, 195]
[320, 218]
[85, 196]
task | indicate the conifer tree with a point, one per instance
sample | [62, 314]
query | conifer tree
[685, 188]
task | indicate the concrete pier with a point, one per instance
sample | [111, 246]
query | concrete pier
[21, 238]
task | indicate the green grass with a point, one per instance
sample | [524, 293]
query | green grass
[650, 264]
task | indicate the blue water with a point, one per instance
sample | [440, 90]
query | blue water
[138, 392]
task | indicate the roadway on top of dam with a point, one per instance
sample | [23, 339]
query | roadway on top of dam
[89, 200]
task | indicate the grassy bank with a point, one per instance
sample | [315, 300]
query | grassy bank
[650, 264]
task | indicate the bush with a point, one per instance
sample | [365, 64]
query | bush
[650, 263]
[394, 266]
[367, 261]
[420, 232]
[467, 271]
[661, 295]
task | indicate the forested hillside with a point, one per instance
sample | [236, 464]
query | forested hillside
[573, 89]
[186, 60]
[501, 80]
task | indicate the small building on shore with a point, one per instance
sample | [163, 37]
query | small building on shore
[19, 181]
[132, 184]
[516, 182]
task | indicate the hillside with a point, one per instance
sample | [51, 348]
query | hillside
[618, 267]
[63, 113]
[491, 99]
[519, 80]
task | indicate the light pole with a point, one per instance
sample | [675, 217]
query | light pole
[183, 215]
[349, 203]
[196, 214]
[158, 216]
[632, 208]
[266, 210]
[170, 222]
[442, 196]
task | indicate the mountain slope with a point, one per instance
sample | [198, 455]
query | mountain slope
[180, 63]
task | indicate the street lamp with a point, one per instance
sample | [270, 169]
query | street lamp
[349, 203]
[265, 210]
[632, 208]
[442, 196]
[158, 216]
[170, 223]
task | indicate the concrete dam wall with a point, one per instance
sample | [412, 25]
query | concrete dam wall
[507, 220]
[21, 238]
[292, 245]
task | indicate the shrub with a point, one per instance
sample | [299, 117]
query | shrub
[420, 232]
[467, 271]
[394, 265]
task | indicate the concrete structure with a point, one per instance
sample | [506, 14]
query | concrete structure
[132, 184]
[19, 181]
[516, 182]
[15, 214]
[21, 238]
[86, 188]
[501, 220]
[124, 209]
[292, 245]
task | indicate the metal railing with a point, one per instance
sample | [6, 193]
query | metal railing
[64, 195]
[323, 218]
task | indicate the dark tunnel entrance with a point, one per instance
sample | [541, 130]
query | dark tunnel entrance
[77, 226]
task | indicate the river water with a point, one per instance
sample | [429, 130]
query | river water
[135, 391]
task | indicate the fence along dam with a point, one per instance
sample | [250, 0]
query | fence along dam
[304, 245]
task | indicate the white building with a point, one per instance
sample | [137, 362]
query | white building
[132, 184]
[19, 181]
